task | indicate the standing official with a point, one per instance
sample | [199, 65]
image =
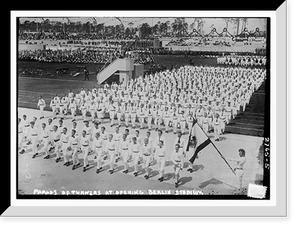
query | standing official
[239, 169]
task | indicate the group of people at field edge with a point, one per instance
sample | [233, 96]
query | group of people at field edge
[246, 61]
[169, 100]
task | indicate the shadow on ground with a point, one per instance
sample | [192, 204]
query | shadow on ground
[209, 182]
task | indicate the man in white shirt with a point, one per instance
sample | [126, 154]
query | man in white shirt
[45, 140]
[112, 112]
[93, 110]
[240, 161]
[74, 127]
[26, 126]
[72, 107]
[98, 150]
[88, 131]
[117, 139]
[120, 112]
[100, 111]
[149, 117]
[141, 116]
[124, 150]
[83, 108]
[177, 159]
[53, 107]
[182, 121]
[64, 142]
[135, 149]
[57, 104]
[156, 142]
[56, 141]
[74, 147]
[103, 135]
[85, 148]
[33, 139]
[175, 116]
[20, 136]
[133, 115]
[61, 107]
[60, 126]
[110, 148]
[146, 150]
[161, 160]
[41, 105]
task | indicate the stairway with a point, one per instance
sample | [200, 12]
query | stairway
[122, 65]
[252, 120]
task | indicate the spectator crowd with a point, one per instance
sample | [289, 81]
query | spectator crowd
[86, 56]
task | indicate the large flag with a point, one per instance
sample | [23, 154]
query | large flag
[201, 140]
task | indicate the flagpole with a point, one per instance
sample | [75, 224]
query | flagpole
[217, 149]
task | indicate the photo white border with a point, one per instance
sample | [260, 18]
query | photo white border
[276, 206]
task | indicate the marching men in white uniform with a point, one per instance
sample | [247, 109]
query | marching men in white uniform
[41, 105]
[153, 98]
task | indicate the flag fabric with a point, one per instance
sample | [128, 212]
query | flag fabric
[201, 139]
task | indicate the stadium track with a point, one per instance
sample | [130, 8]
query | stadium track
[30, 88]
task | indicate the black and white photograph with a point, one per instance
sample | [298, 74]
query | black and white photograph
[143, 107]
[148, 113]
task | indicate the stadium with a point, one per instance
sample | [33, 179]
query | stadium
[141, 106]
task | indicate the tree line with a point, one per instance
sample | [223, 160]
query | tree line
[177, 28]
